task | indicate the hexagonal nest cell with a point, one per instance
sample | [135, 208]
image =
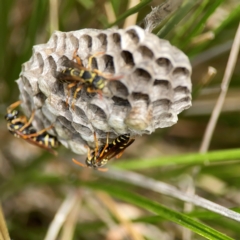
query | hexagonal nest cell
[146, 85]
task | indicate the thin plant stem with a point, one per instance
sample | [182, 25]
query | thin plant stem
[166, 189]
[224, 88]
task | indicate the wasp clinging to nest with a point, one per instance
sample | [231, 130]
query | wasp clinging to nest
[75, 74]
[21, 127]
[100, 156]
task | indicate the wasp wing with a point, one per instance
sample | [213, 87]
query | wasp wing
[36, 143]
[114, 150]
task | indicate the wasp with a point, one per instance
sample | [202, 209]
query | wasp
[21, 127]
[75, 73]
[100, 156]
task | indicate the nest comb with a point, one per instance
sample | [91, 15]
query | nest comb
[153, 88]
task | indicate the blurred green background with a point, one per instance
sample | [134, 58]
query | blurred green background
[33, 184]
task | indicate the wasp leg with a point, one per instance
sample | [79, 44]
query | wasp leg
[79, 163]
[37, 133]
[71, 85]
[106, 145]
[102, 169]
[89, 154]
[90, 90]
[14, 105]
[21, 119]
[107, 76]
[75, 95]
[96, 144]
[28, 123]
[120, 154]
[91, 58]
[77, 58]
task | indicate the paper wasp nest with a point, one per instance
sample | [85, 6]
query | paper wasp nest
[151, 85]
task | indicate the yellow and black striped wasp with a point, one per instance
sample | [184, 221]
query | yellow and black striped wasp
[75, 73]
[100, 156]
[21, 127]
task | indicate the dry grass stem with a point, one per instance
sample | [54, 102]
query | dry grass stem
[71, 222]
[110, 12]
[166, 189]
[53, 15]
[209, 75]
[60, 217]
[203, 38]
[101, 212]
[224, 88]
[110, 204]
[4, 235]
[131, 20]
[187, 235]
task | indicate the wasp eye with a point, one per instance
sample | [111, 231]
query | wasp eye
[7, 117]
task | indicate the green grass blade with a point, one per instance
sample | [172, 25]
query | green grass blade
[130, 11]
[38, 17]
[162, 211]
[87, 4]
[191, 22]
[116, 6]
[232, 18]
[209, 11]
[195, 158]
[199, 26]
[179, 15]
[5, 8]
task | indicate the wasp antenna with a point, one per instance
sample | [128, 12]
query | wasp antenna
[77, 58]
[79, 163]
[14, 105]
[102, 169]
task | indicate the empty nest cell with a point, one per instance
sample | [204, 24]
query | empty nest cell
[83, 130]
[180, 72]
[109, 64]
[145, 52]
[133, 36]
[161, 89]
[182, 91]
[127, 58]
[80, 113]
[86, 42]
[164, 65]
[181, 104]
[53, 42]
[61, 42]
[141, 81]
[40, 62]
[73, 41]
[140, 97]
[116, 40]
[66, 123]
[52, 65]
[40, 98]
[103, 40]
[121, 102]
[96, 112]
[94, 64]
[118, 89]
[161, 105]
